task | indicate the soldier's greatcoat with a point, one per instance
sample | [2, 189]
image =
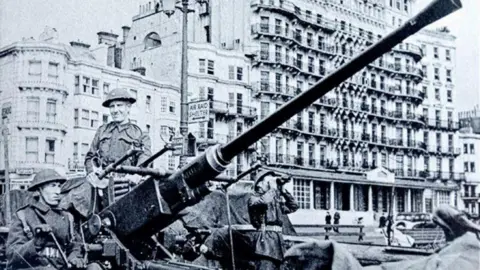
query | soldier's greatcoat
[21, 251]
[269, 246]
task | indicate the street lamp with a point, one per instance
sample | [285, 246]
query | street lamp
[169, 7]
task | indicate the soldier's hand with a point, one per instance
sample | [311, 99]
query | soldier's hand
[136, 179]
[41, 235]
[93, 179]
[77, 263]
[269, 195]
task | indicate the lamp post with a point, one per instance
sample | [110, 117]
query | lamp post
[5, 133]
[168, 7]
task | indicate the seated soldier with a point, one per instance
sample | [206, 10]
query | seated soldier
[36, 226]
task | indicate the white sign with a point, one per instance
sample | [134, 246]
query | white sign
[177, 143]
[23, 171]
[198, 111]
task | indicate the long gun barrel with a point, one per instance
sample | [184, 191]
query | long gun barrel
[155, 203]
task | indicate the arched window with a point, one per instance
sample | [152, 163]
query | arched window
[152, 40]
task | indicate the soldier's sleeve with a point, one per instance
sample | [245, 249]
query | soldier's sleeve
[20, 249]
[147, 148]
[291, 204]
[75, 247]
[92, 151]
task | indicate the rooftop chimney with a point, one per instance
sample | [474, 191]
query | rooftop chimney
[79, 44]
[126, 30]
[109, 39]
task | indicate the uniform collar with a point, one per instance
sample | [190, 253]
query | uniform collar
[121, 127]
[41, 206]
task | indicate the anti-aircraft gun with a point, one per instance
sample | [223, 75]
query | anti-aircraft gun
[129, 223]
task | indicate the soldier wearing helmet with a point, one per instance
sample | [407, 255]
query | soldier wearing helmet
[113, 140]
[31, 241]
[267, 207]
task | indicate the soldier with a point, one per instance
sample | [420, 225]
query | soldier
[36, 226]
[267, 206]
[111, 142]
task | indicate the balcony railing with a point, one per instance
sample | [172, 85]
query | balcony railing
[443, 124]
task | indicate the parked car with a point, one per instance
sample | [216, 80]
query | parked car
[409, 220]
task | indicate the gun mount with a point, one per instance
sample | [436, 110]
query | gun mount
[157, 202]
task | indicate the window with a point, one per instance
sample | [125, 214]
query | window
[31, 149]
[436, 74]
[437, 94]
[163, 104]
[51, 110]
[264, 109]
[95, 90]
[426, 163]
[301, 193]
[449, 75]
[465, 166]
[465, 148]
[86, 85]
[439, 164]
[50, 151]
[443, 197]
[94, 120]
[201, 65]
[77, 84]
[211, 67]
[75, 117]
[52, 70]
[239, 74]
[472, 148]
[85, 118]
[106, 89]
[449, 95]
[231, 72]
[264, 51]
[75, 151]
[472, 167]
[148, 102]
[85, 149]
[171, 108]
[33, 109]
[35, 68]
[424, 49]
[447, 55]
[171, 162]
[435, 52]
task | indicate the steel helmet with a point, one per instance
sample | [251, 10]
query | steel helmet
[118, 94]
[45, 176]
[261, 175]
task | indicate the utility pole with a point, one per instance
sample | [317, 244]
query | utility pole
[7, 176]
[184, 85]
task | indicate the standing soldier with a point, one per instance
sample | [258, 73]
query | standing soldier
[38, 225]
[266, 208]
[111, 142]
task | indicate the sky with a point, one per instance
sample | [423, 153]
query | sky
[82, 19]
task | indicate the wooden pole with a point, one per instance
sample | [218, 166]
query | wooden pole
[7, 177]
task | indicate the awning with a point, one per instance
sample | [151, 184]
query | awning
[360, 178]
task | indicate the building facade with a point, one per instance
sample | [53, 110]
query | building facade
[470, 158]
[51, 96]
[377, 134]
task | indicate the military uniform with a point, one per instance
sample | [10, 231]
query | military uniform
[112, 141]
[266, 215]
[22, 252]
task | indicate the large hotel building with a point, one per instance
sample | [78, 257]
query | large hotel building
[392, 126]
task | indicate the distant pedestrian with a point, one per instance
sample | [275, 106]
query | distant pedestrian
[383, 221]
[328, 221]
[336, 221]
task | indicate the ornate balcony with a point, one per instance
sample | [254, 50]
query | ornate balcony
[410, 49]
[289, 10]
[43, 125]
[446, 125]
